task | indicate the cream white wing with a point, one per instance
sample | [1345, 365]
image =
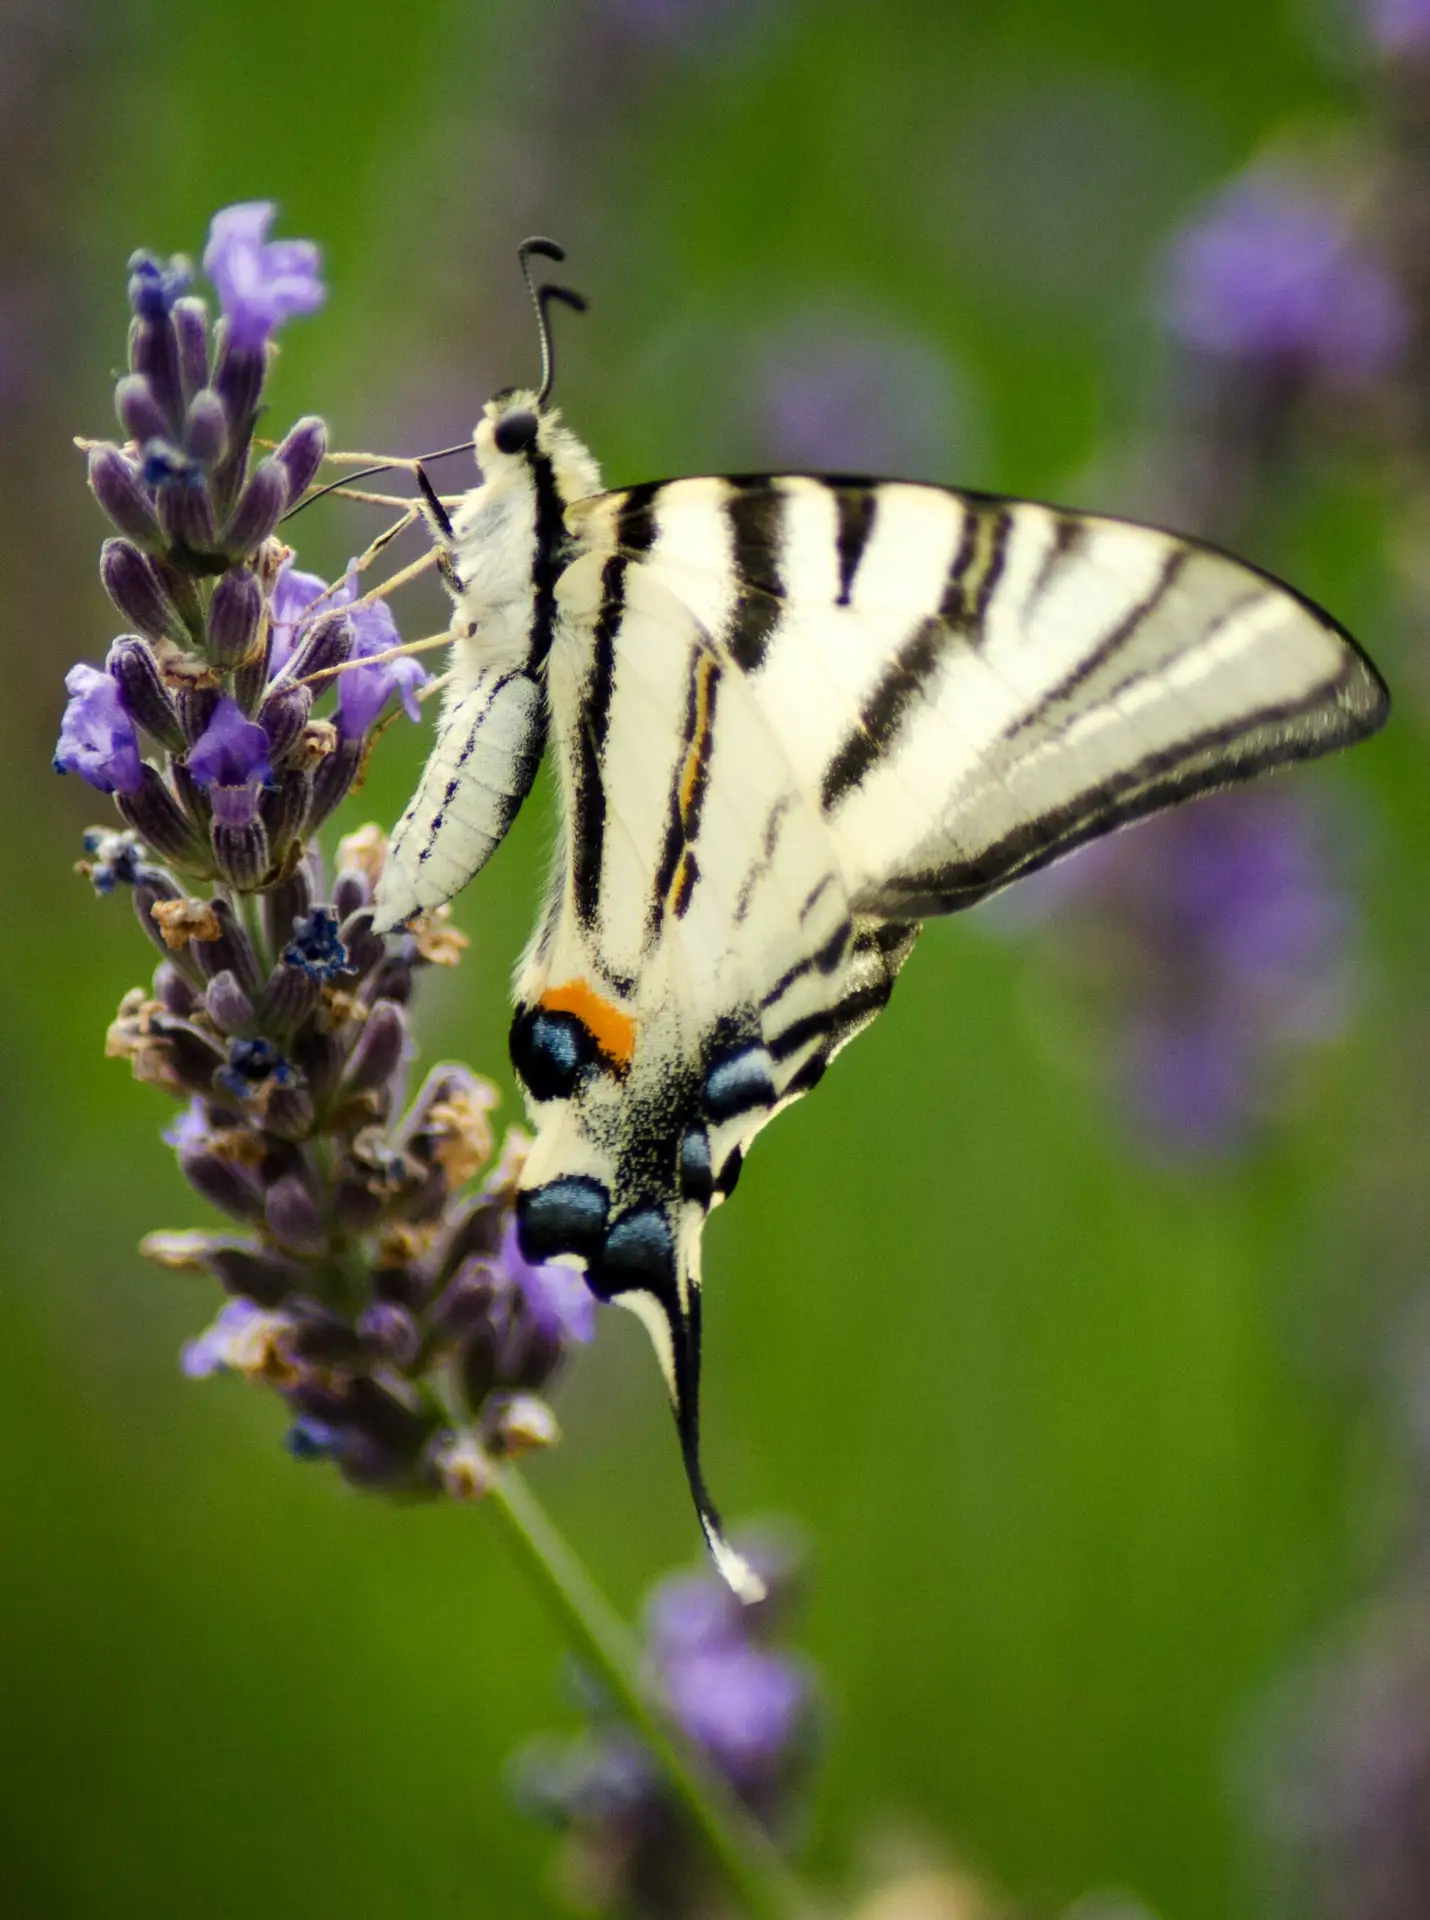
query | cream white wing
[966, 687]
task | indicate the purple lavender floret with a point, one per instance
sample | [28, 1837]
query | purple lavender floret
[1222, 946]
[556, 1297]
[97, 737]
[260, 282]
[230, 760]
[364, 692]
[1270, 272]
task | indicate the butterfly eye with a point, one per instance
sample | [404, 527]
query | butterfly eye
[516, 431]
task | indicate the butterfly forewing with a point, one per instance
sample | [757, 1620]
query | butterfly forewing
[969, 686]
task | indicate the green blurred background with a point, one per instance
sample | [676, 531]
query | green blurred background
[1083, 1467]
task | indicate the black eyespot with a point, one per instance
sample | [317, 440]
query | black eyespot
[515, 431]
[549, 1052]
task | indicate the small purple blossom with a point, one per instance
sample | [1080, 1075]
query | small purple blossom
[296, 599]
[260, 282]
[230, 759]
[97, 737]
[557, 1297]
[315, 948]
[743, 1704]
[154, 286]
[363, 693]
[1269, 272]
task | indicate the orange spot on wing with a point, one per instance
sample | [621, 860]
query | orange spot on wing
[613, 1030]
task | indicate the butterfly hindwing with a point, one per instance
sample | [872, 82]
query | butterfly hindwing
[693, 974]
[968, 687]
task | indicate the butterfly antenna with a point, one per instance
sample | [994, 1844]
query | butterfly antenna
[541, 298]
[364, 473]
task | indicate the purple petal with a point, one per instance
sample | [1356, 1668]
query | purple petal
[364, 693]
[97, 738]
[215, 1349]
[557, 1297]
[1399, 26]
[260, 282]
[231, 751]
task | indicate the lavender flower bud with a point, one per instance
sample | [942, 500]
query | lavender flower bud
[301, 453]
[205, 428]
[140, 414]
[154, 355]
[234, 615]
[171, 989]
[190, 321]
[192, 1053]
[197, 707]
[222, 1182]
[146, 698]
[260, 507]
[230, 952]
[319, 1056]
[181, 499]
[284, 904]
[240, 848]
[134, 586]
[351, 893]
[331, 779]
[287, 1111]
[250, 681]
[474, 1230]
[392, 980]
[254, 1272]
[365, 949]
[239, 379]
[229, 1007]
[283, 716]
[288, 999]
[293, 1216]
[391, 1333]
[328, 643]
[157, 818]
[283, 808]
[115, 484]
[380, 1050]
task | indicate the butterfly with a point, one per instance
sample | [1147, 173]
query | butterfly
[792, 717]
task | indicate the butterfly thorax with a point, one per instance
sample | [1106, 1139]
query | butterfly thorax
[509, 539]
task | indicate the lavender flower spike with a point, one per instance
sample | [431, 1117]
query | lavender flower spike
[97, 738]
[260, 282]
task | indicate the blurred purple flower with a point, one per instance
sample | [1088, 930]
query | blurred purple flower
[230, 759]
[1399, 26]
[1269, 272]
[97, 738]
[260, 282]
[556, 1297]
[837, 396]
[1224, 944]
[750, 1708]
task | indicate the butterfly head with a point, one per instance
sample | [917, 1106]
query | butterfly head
[519, 431]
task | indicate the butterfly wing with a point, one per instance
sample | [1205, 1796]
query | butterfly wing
[967, 687]
[697, 965]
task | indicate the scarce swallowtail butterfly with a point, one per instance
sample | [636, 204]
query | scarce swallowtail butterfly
[793, 716]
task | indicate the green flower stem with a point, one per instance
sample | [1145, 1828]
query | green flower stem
[746, 1854]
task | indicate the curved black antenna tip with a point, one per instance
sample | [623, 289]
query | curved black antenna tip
[538, 243]
[568, 295]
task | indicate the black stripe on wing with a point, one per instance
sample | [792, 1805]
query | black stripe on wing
[588, 825]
